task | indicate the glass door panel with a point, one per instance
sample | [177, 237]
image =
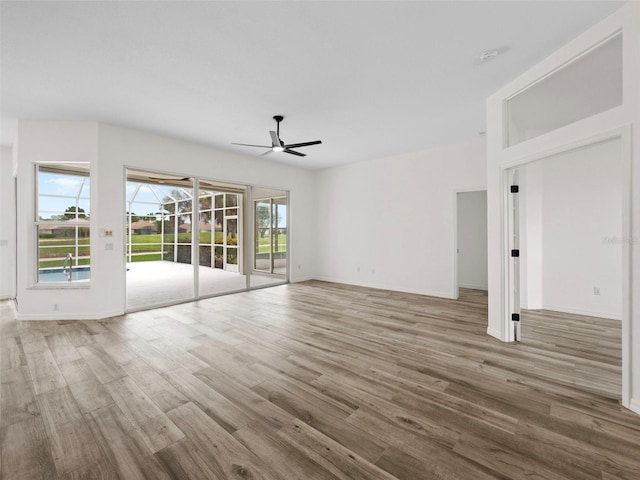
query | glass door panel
[185, 238]
[159, 220]
[231, 247]
[262, 254]
[221, 235]
[205, 244]
[279, 237]
[270, 256]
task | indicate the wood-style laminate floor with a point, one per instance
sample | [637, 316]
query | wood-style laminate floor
[306, 381]
[591, 348]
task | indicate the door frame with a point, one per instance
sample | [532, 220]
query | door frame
[456, 287]
[270, 200]
[624, 135]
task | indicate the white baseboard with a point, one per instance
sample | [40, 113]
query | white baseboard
[384, 286]
[67, 316]
[578, 311]
[634, 405]
[494, 333]
[301, 279]
[536, 306]
[473, 287]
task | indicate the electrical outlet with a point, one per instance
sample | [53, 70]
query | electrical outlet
[56, 307]
[358, 269]
[596, 290]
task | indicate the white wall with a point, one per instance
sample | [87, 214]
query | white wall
[472, 240]
[390, 223]
[571, 217]
[531, 236]
[582, 231]
[110, 149]
[52, 142]
[7, 225]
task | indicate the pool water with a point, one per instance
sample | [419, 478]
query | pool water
[47, 275]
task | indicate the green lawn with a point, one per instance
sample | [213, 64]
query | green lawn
[63, 241]
[147, 245]
[59, 262]
[149, 257]
[168, 238]
[263, 243]
[53, 252]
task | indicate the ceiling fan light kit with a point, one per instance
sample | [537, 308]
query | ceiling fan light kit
[277, 145]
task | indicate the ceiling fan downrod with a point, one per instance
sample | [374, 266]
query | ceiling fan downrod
[278, 119]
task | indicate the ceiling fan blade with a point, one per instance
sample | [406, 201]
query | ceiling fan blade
[275, 139]
[266, 153]
[303, 144]
[286, 150]
[250, 145]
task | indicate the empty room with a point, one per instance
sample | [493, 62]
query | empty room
[319, 240]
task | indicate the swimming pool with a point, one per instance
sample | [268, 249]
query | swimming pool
[46, 275]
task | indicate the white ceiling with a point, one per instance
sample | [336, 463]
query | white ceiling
[370, 79]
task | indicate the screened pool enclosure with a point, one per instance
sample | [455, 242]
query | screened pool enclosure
[166, 232]
[188, 238]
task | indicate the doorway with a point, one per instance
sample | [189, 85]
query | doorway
[184, 239]
[567, 262]
[471, 238]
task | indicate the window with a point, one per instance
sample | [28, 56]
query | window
[63, 222]
[590, 84]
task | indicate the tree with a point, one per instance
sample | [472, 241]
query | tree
[134, 217]
[262, 219]
[205, 204]
[70, 213]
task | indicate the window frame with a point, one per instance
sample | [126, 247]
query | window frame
[76, 169]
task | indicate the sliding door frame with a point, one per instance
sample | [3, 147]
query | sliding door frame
[246, 229]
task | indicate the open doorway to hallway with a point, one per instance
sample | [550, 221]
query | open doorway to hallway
[471, 247]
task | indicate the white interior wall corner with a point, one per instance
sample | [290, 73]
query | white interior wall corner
[632, 103]
[389, 223]
[7, 225]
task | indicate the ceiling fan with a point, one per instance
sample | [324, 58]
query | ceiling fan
[277, 145]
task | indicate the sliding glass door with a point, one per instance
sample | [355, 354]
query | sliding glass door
[262, 237]
[271, 237]
[189, 238]
[159, 238]
[221, 247]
